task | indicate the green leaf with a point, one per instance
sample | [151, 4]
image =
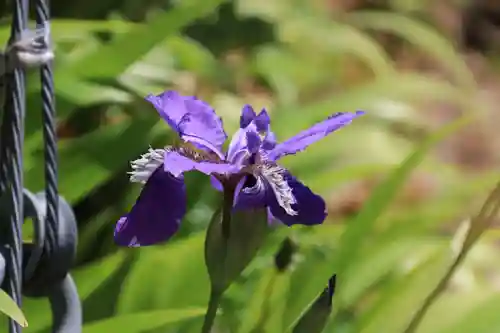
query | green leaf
[336, 37]
[10, 308]
[271, 11]
[483, 318]
[88, 278]
[253, 307]
[375, 264]
[359, 229]
[422, 36]
[115, 57]
[401, 300]
[143, 322]
[264, 310]
[465, 238]
[399, 87]
[328, 179]
[89, 157]
[164, 277]
[191, 55]
[454, 310]
[63, 29]
[287, 72]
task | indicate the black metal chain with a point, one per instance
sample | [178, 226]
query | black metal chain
[15, 101]
[40, 269]
[49, 135]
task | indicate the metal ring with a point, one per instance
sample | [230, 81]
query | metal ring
[52, 267]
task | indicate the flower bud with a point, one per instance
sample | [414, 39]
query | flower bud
[233, 239]
[316, 317]
[284, 257]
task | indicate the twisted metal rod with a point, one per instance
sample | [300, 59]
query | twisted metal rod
[16, 103]
[49, 133]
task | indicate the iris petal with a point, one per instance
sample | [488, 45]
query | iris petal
[310, 207]
[177, 164]
[253, 194]
[317, 132]
[247, 116]
[269, 141]
[193, 119]
[201, 124]
[216, 184]
[157, 213]
[262, 121]
[170, 106]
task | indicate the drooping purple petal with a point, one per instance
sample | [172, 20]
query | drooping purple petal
[257, 192]
[157, 213]
[311, 135]
[310, 207]
[252, 194]
[177, 164]
[194, 119]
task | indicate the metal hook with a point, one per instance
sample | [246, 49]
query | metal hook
[66, 307]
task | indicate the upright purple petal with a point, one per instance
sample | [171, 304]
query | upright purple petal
[157, 213]
[253, 142]
[310, 207]
[202, 125]
[247, 116]
[170, 106]
[194, 119]
[269, 141]
[311, 135]
[247, 140]
[177, 164]
[262, 121]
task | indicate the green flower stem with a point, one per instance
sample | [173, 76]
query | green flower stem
[213, 306]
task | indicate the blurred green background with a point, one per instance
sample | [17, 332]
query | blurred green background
[398, 182]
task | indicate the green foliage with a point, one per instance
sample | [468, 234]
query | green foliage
[10, 308]
[389, 258]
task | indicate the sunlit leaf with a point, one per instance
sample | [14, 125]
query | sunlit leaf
[401, 301]
[115, 57]
[143, 322]
[483, 318]
[454, 309]
[10, 308]
[336, 37]
[178, 271]
[89, 157]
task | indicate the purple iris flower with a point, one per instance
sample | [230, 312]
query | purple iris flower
[249, 169]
